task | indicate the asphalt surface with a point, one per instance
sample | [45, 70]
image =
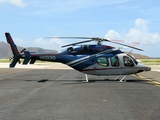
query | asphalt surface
[39, 94]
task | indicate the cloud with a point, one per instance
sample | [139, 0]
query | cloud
[140, 33]
[20, 42]
[18, 3]
[113, 34]
[54, 44]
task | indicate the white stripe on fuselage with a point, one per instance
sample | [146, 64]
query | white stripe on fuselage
[74, 61]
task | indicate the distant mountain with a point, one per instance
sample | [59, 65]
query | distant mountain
[5, 50]
[139, 56]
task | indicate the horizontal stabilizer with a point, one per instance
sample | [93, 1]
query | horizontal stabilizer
[27, 57]
[32, 61]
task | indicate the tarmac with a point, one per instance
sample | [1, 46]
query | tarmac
[56, 92]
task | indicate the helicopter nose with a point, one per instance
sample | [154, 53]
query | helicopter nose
[145, 68]
[148, 69]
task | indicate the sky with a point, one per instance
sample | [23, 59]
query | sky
[30, 21]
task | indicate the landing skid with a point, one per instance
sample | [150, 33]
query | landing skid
[86, 76]
[121, 80]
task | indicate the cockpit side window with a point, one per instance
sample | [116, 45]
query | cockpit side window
[135, 61]
[114, 61]
[128, 62]
[103, 61]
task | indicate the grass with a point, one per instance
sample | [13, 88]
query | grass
[5, 61]
[144, 61]
[150, 61]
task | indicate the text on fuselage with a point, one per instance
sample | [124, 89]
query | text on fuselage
[48, 57]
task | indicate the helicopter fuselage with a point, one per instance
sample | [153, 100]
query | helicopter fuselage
[89, 59]
[113, 63]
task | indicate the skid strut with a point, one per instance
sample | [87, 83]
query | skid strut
[122, 79]
[86, 76]
[118, 77]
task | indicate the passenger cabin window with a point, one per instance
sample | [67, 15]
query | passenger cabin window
[114, 61]
[103, 61]
[127, 61]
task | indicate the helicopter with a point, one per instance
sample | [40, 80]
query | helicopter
[96, 59]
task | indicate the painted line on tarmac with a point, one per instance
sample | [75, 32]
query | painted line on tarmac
[149, 80]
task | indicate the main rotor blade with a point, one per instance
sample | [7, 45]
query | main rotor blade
[70, 37]
[99, 40]
[77, 43]
[123, 45]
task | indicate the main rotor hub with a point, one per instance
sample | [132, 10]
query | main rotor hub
[98, 40]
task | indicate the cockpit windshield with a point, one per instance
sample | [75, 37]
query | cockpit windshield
[129, 61]
[133, 59]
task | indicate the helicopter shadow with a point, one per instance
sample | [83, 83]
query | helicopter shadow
[65, 82]
[56, 81]
[38, 81]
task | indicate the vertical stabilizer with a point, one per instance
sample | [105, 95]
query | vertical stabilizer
[14, 49]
